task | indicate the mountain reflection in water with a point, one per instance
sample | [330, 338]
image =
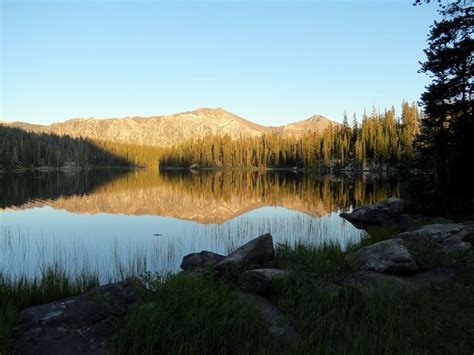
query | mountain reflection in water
[208, 197]
[118, 222]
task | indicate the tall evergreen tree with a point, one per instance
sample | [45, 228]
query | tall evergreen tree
[448, 125]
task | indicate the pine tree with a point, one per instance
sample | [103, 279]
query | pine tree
[448, 124]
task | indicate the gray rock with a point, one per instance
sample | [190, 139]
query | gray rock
[198, 260]
[450, 237]
[260, 280]
[77, 325]
[393, 205]
[386, 212]
[390, 257]
[368, 280]
[256, 252]
[278, 324]
[468, 232]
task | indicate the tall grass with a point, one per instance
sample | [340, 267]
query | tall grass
[429, 321]
[24, 253]
[193, 315]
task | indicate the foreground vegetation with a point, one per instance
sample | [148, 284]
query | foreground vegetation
[197, 315]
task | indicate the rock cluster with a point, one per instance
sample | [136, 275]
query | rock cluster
[450, 237]
[391, 261]
[249, 264]
[387, 212]
[255, 283]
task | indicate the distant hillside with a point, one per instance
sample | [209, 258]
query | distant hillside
[314, 123]
[164, 131]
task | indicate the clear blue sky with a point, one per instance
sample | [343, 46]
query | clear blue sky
[270, 62]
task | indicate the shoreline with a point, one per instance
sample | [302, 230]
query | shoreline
[302, 170]
[220, 169]
[47, 169]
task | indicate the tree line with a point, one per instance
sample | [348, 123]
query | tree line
[379, 137]
[22, 149]
[333, 192]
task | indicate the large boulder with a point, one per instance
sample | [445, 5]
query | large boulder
[278, 324]
[77, 325]
[390, 257]
[199, 260]
[450, 237]
[256, 252]
[260, 280]
[386, 212]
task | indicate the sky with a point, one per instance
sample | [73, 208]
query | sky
[270, 62]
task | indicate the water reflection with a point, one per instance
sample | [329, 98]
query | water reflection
[208, 197]
[18, 189]
[115, 223]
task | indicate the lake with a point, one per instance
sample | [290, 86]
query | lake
[115, 223]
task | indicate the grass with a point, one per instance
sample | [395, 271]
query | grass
[192, 315]
[186, 314]
[325, 263]
[375, 234]
[430, 254]
[430, 321]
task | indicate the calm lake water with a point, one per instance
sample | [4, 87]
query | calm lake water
[115, 223]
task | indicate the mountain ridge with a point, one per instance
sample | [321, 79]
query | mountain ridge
[167, 130]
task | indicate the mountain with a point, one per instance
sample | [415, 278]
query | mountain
[163, 131]
[314, 123]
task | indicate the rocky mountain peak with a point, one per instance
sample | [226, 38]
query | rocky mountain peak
[168, 130]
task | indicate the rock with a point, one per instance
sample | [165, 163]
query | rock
[278, 324]
[77, 325]
[390, 257]
[389, 212]
[367, 280]
[195, 166]
[450, 237]
[386, 212]
[260, 280]
[256, 252]
[468, 232]
[199, 260]
[393, 205]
